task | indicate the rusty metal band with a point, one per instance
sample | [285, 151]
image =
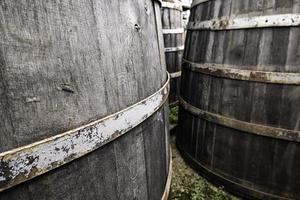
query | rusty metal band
[231, 72]
[173, 49]
[166, 193]
[173, 31]
[197, 2]
[207, 169]
[175, 74]
[240, 22]
[176, 6]
[27, 162]
[257, 129]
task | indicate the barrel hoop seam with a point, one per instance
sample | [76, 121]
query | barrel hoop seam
[173, 31]
[207, 169]
[197, 2]
[172, 49]
[24, 163]
[257, 129]
[241, 22]
[166, 193]
[175, 74]
[231, 72]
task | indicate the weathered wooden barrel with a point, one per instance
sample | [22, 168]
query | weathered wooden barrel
[239, 120]
[174, 44]
[82, 100]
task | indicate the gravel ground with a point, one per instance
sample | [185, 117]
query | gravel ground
[188, 185]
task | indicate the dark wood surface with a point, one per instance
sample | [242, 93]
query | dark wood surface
[64, 64]
[172, 19]
[259, 163]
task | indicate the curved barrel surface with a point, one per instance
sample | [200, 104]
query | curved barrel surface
[239, 120]
[173, 33]
[83, 87]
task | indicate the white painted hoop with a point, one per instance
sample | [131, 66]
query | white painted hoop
[32, 160]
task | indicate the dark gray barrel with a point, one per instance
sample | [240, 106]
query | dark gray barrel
[83, 87]
[173, 39]
[239, 121]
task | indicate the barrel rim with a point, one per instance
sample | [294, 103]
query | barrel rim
[30, 161]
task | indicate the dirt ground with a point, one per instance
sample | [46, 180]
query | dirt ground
[188, 185]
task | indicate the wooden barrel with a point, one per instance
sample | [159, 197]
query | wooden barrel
[82, 100]
[173, 39]
[239, 121]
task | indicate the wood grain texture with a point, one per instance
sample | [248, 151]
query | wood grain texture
[172, 19]
[261, 167]
[66, 63]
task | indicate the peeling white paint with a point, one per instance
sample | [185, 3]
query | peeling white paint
[173, 31]
[175, 74]
[32, 160]
[239, 22]
[172, 49]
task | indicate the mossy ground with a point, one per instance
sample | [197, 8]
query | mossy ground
[173, 116]
[188, 185]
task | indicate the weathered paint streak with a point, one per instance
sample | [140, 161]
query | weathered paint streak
[238, 22]
[27, 162]
[172, 49]
[232, 72]
[173, 31]
[175, 75]
[268, 131]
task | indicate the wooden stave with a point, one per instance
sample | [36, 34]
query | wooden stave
[32, 188]
[190, 80]
[171, 19]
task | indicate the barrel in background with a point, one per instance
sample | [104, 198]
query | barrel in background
[174, 44]
[240, 96]
[66, 64]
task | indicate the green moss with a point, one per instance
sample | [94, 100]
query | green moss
[173, 116]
